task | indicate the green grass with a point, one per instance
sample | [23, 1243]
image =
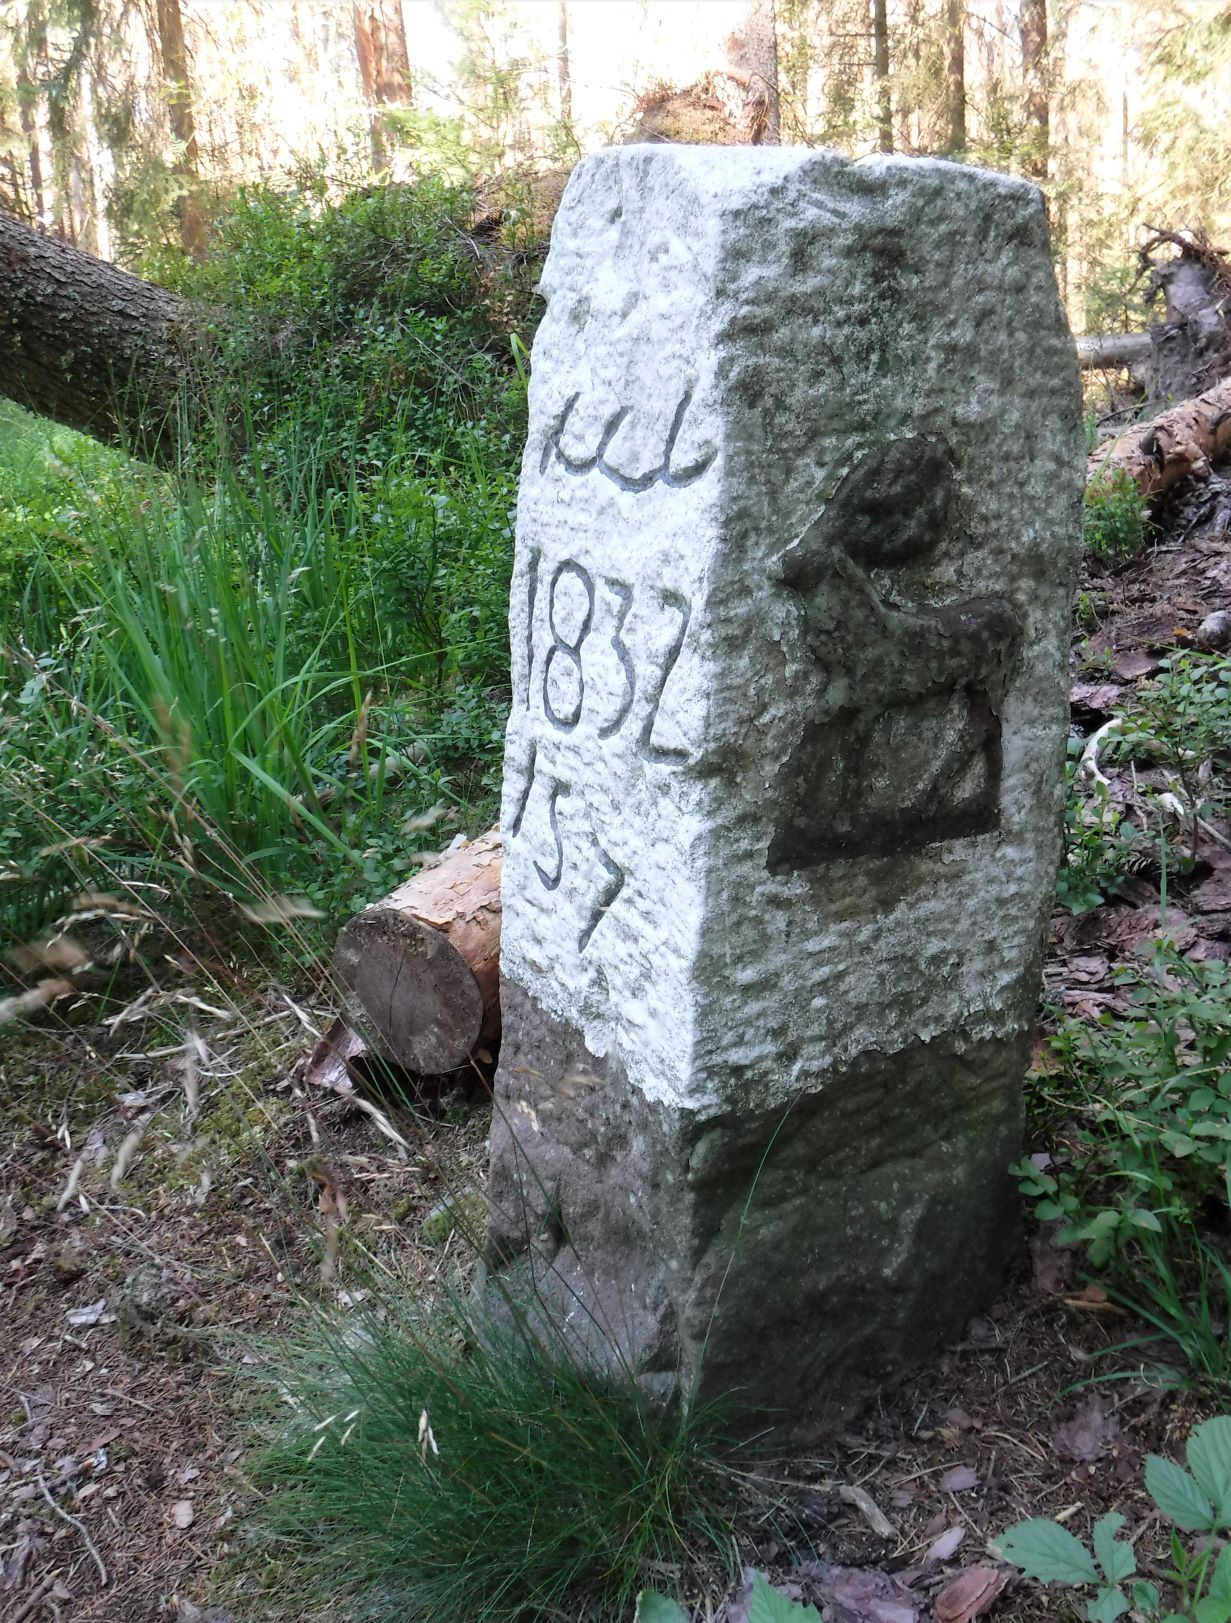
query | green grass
[246, 674]
[448, 1474]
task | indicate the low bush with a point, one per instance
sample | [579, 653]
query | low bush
[250, 672]
[1101, 845]
[1116, 524]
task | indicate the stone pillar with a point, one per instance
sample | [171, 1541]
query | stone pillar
[796, 539]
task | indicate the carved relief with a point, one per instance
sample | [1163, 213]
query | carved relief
[905, 747]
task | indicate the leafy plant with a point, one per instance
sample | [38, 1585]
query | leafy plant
[1182, 717]
[1196, 1500]
[1100, 843]
[766, 1605]
[1147, 1105]
[1116, 524]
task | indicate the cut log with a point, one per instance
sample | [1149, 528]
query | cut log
[1189, 438]
[1117, 349]
[423, 966]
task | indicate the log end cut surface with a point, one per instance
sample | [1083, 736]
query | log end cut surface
[414, 986]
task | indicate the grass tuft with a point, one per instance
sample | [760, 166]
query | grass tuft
[459, 1477]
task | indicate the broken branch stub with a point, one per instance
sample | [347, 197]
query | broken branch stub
[422, 967]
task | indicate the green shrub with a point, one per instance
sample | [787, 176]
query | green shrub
[1182, 718]
[1116, 524]
[443, 1472]
[1146, 1102]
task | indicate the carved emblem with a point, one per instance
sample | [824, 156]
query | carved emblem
[905, 748]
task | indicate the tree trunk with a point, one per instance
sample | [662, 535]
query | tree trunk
[194, 233]
[955, 77]
[423, 966]
[384, 66]
[1032, 24]
[564, 68]
[880, 72]
[1187, 439]
[84, 343]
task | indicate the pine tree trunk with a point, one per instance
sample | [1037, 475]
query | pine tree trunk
[1033, 28]
[90, 346]
[955, 77]
[880, 72]
[384, 65]
[194, 233]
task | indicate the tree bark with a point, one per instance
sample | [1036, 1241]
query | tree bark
[1032, 25]
[955, 77]
[564, 66]
[880, 72]
[83, 342]
[1188, 439]
[423, 966]
[194, 233]
[384, 65]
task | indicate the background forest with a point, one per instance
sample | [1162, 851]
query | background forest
[125, 126]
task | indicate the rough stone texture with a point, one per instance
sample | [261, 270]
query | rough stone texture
[796, 537]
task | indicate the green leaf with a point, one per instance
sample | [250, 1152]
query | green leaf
[1146, 1598]
[653, 1608]
[1049, 1552]
[770, 1605]
[1209, 1460]
[1107, 1606]
[1220, 1578]
[1213, 1609]
[1177, 1495]
[1114, 1556]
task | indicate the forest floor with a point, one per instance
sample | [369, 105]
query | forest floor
[160, 1173]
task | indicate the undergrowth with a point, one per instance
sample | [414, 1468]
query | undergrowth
[1138, 1110]
[1116, 525]
[247, 674]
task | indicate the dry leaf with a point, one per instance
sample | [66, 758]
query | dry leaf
[84, 1316]
[182, 1513]
[944, 1545]
[280, 910]
[969, 1593]
[959, 1480]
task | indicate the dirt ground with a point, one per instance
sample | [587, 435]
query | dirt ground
[163, 1163]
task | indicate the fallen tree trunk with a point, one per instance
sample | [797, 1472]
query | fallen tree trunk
[1189, 438]
[90, 346]
[423, 966]
[1119, 349]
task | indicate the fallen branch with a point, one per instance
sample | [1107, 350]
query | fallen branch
[1113, 350]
